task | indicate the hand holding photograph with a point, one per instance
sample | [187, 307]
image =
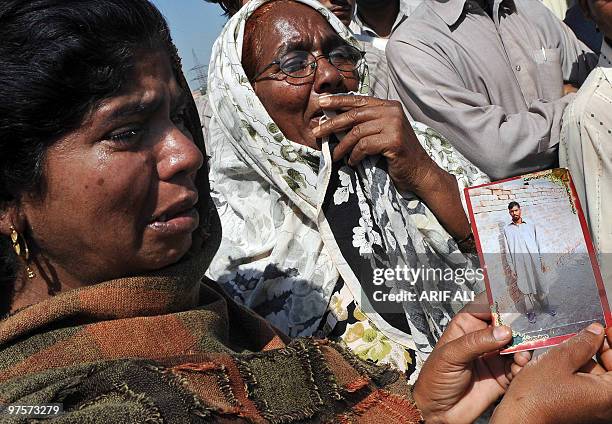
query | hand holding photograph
[539, 263]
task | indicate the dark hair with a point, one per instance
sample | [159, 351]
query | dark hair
[513, 204]
[58, 60]
[230, 7]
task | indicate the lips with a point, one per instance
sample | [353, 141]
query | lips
[315, 119]
[346, 8]
[179, 217]
[343, 11]
[187, 202]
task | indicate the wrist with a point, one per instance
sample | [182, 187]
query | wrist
[423, 404]
[433, 182]
[518, 412]
[467, 244]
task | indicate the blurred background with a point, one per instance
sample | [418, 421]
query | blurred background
[195, 24]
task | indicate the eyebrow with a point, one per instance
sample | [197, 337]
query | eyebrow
[143, 106]
[327, 43]
[135, 107]
[289, 46]
[332, 42]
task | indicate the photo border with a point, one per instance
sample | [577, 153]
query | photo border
[603, 298]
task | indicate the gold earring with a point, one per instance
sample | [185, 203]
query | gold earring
[22, 252]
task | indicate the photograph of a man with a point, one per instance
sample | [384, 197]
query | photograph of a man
[525, 262]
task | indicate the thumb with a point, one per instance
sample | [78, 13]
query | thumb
[577, 351]
[467, 348]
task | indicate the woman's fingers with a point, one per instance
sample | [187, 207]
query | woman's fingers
[605, 352]
[348, 120]
[357, 135]
[367, 146]
[576, 352]
[336, 102]
[515, 368]
[354, 110]
[498, 367]
[508, 369]
[593, 367]
[473, 317]
[466, 349]
[380, 127]
[479, 307]
[462, 324]
[522, 358]
[551, 390]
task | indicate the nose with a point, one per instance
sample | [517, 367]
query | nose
[178, 155]
[328, 79]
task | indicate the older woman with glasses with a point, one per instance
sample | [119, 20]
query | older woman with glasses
[302, 64]
[315, 212]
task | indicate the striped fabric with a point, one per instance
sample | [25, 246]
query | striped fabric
[165, 349]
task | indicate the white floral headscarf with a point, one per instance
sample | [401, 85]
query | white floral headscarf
[278, 254]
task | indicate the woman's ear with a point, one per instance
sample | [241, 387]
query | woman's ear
[10, 216]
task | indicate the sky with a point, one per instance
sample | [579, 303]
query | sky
[194, 24]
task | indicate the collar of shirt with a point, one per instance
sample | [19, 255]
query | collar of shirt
[451, 10]
[359, 27]
[605, 57]
[605, 60]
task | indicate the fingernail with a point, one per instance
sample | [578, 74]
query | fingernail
[525, 355]
[595, 329]
[501, 333]
[324, 101]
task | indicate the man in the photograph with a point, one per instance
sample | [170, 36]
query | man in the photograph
[526, 262]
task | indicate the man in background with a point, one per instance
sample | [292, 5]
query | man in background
[526, 264]
[490, 76]
[584, 28]
[379, 18]
[230, 7]
[373, 23]
[586, 141]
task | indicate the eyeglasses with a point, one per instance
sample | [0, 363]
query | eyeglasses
[301, 64]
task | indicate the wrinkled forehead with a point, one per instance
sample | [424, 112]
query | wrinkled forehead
[286, 26]
[151, 80]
